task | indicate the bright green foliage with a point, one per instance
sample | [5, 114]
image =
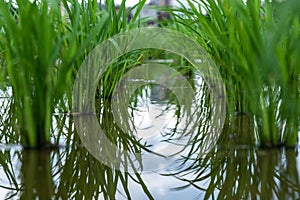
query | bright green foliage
[31, 53]
[42, 50]
[257, 47]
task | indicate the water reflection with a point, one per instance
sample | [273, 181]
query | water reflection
[233, 170]
[64, 174]
[36, 175]
[225, 174]
[245, 174]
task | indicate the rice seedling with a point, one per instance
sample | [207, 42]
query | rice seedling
[42, 49]
[256, 46]
[29, 61]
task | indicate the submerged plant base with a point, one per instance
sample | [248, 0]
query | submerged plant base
[46, 146]
[277, 146]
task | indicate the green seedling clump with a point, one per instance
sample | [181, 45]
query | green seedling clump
[256, 45]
